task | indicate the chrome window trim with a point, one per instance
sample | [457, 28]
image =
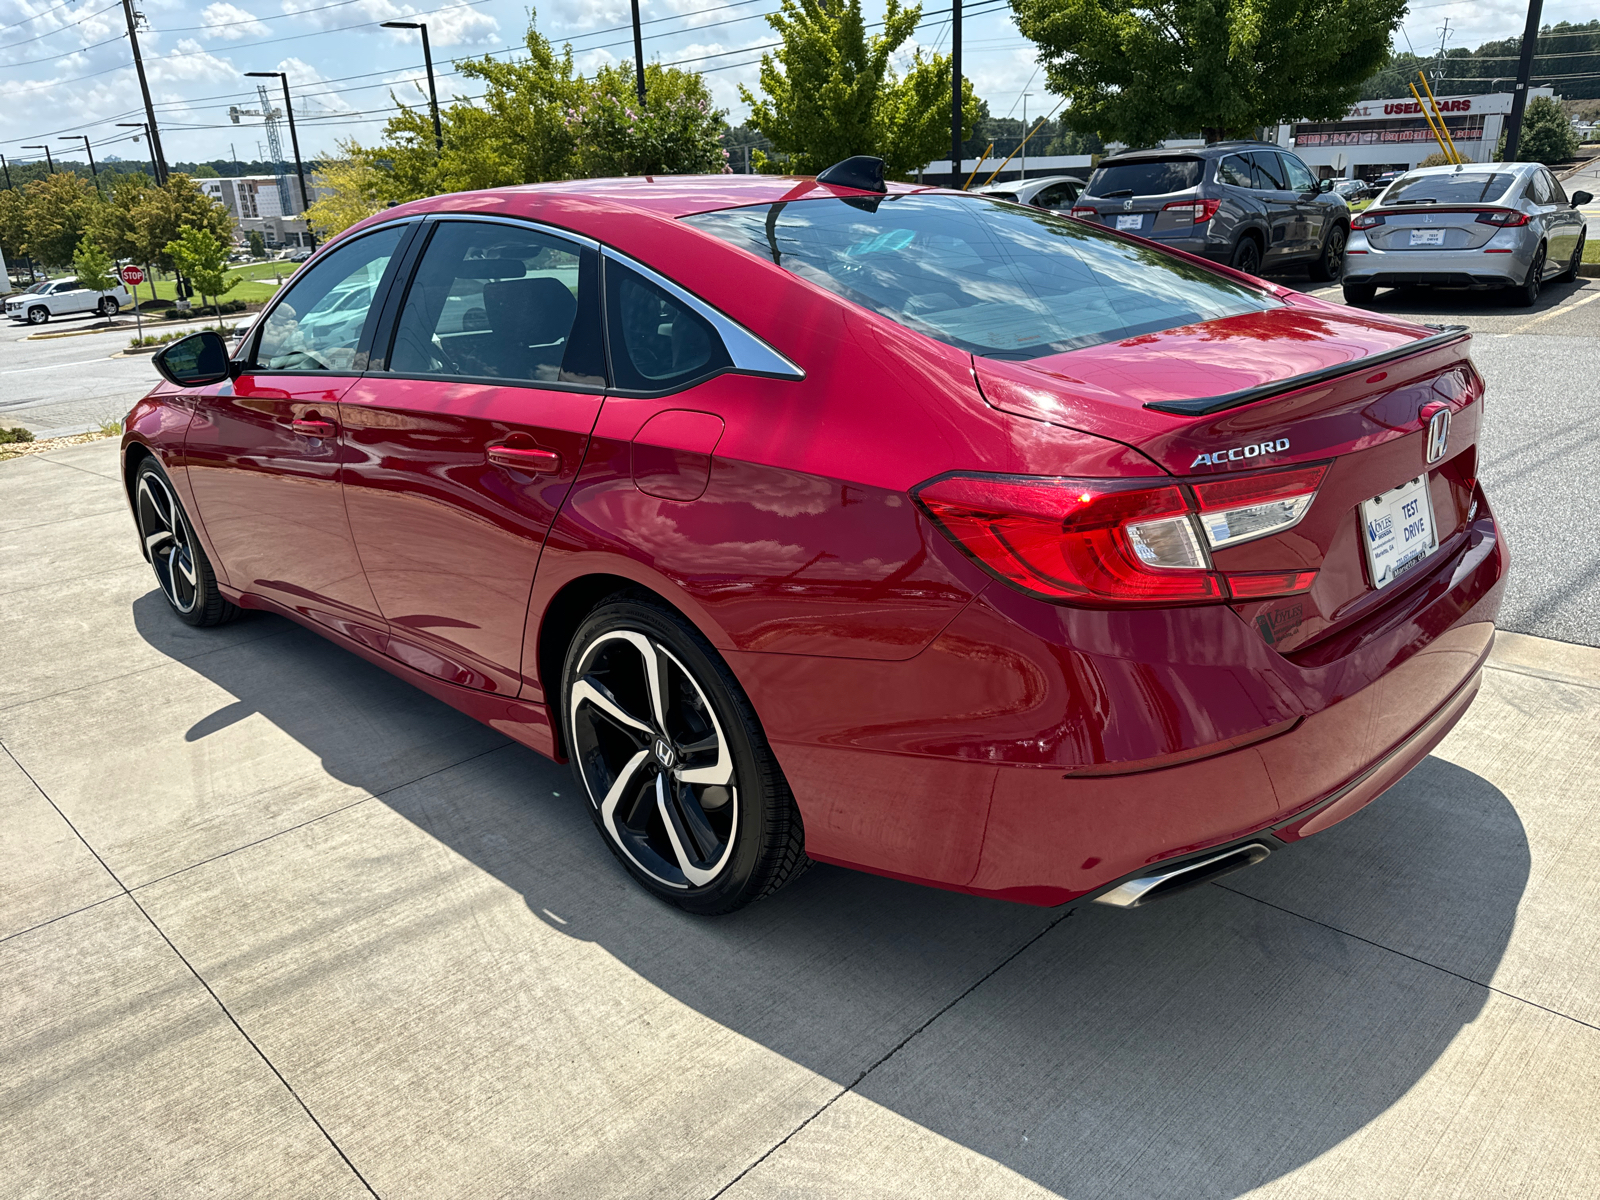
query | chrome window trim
[749, 354]
[520, 222]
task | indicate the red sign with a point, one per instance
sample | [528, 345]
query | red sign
[132, 276]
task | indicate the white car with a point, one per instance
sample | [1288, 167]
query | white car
[60, 297]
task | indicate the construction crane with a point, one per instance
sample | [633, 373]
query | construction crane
[270, 117]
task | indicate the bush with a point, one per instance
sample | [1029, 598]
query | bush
[15, 435]
[210, 310]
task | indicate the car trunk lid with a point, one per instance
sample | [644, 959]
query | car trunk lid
[1424, 229]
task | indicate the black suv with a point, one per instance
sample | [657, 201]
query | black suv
[1251, 205]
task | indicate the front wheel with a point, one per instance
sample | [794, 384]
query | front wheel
[681, 781]
[1527, 294]
[1330, 263]
[109, 306]
[38, 315]
[179, 561]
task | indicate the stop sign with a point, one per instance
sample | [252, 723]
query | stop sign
[132, 276]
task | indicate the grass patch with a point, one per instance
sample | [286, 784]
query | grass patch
[1591, 251]
[10, 436]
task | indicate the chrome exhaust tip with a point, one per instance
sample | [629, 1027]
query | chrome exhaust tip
[1164, 881]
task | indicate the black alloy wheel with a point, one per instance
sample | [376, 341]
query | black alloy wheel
[1527, 294]
[1330, 263]
[180, 564]
[1576, 261]
[1246, 256]
[681, 782]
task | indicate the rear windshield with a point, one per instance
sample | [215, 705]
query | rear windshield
[1464, 187]
[995, 279]
[1145, 177]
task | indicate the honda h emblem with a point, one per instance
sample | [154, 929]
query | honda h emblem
[1127, 206]
[1438, 435]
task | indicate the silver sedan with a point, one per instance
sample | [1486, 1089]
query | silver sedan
[1047, 191]
[1477, 225]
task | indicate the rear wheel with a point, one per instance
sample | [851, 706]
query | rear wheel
[1527, 294]
[681, 782]
[1330, 263]
[1571, 272]
[180, 564]
[1246, 256]
[38, 315]
[1359, 293]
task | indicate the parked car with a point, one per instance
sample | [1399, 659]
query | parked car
[63, 297]
[1248, 204]
[877, 525]
[1353, 189]
[1048, 191]
[1478, 225]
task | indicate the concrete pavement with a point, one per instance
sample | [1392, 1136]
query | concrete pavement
[274, 924]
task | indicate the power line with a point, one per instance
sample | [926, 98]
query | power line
[35, 17]
[57, 29]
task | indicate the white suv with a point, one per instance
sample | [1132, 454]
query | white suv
[58, 297]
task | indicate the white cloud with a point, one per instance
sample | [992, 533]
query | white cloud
[230, 22]
[189, 61]
[460, 25]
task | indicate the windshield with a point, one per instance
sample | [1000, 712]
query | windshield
[37, 288]
[995, 279]
[1145, 177]
[1463, 187]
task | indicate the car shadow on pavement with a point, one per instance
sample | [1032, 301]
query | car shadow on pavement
[1203, 1046]
[1422, 303]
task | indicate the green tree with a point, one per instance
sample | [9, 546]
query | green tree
[61, 208]
[203, 257]
[829, 92]
[159, 215]
[677, 132]
[352, 190]
[1136, 72]
[1547, 134]
[93, 267]
[258, 244]
[13, 228]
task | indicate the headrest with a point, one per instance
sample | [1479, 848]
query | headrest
[531, 312]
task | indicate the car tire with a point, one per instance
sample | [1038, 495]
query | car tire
[1360, 293]
[1526, 294]
[182, 569]
[38, 315]
[1571, 272]
[1329, 265]
[109, 306]
[1246, 256]
[646, 702]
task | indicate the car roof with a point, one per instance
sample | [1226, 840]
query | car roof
[1503, 168]
[1017, 185]
[1209, 151]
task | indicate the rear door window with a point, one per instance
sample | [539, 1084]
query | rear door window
[1145, 177]
[999, 280]
[657, 343]
[501, 302]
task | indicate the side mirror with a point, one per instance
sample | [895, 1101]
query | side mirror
[1579, 199]
[195, 361]
[1326, 185]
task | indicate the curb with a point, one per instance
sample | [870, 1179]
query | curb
[1589, 270]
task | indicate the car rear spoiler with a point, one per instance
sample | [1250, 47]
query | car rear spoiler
[1201, 406]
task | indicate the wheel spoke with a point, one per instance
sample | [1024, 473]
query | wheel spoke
[677, 835]
[156, 538]
[590, 691]
[626, 778]
[180, 559]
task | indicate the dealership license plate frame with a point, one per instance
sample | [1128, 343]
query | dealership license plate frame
[1384, 524]
[1129, 222]
[1427, 237]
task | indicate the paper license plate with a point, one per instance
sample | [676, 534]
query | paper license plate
[1427, 237]
[1398, 530]
[1132, 222]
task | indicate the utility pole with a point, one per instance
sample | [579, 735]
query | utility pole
[427, 58]
[93, 170]
[1022, 173]
[955, 93]
[294, 141]
[7, 166]
[158, 159]
[1519, 98]
[638, 52]
[50, 162]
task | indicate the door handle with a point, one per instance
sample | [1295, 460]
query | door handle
[312, 427]
[535, 459]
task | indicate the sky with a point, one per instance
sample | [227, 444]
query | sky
[66, 69]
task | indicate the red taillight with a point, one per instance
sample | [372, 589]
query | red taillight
[1260, 585]
[1090, 541]
[1246, 507]
[1201, 210]
[1085, 214]
[1365, 220]
[1503, 218]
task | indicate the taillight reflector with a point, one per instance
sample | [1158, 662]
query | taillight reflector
[1260, 585]
[1085, 214]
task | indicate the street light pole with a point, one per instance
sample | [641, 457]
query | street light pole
[638, 52]
[50, 162]
[87, 149]
[1519, 98]
[955, 93]
[1022, 173]
[294, 140]
[427, 58]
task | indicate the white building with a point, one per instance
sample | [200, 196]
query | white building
[257, 205]
[1393, 135]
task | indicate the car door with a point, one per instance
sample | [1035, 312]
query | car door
[263, 451]
[1310, 208]
[1565, 223]
[466, 436]
[1272, 189]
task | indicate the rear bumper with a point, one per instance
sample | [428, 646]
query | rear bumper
[1010, 759]
[1435, 268]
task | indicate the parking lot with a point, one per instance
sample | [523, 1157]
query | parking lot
[275, 924]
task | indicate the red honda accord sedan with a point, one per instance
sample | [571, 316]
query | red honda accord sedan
[813, 519]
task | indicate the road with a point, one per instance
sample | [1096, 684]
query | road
[1537, 459]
